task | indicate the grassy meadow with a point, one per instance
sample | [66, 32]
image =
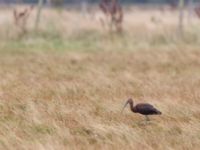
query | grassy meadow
[64, 85]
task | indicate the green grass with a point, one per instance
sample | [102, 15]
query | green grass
[90, 40]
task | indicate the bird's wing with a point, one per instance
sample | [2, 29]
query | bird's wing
[145, 105]
[146, 108]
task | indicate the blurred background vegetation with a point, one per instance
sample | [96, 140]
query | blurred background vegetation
[95, 1]
[79, 26]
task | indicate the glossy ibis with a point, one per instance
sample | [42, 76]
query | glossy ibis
[142, 108]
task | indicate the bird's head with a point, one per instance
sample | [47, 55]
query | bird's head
[129, 101]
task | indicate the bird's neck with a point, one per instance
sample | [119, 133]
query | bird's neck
[132, 107]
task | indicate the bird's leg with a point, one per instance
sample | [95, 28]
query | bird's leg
[147, 118]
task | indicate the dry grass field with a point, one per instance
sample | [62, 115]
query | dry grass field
[64, 87]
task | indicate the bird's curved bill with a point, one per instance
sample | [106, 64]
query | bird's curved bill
[124, 106]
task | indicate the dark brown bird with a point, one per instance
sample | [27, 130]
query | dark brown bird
[142, 108]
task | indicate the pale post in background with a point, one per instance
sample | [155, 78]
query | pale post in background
[40, 5]
[181, 16]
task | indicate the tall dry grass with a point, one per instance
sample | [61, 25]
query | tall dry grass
[53, 99]
[72, 100]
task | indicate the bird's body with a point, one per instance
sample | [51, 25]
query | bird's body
[142, 108]
[145, 109]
